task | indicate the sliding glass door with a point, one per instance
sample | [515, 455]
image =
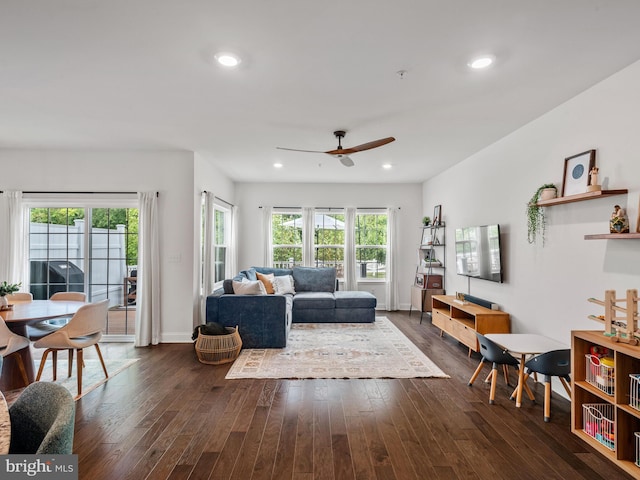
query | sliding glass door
[85, 249]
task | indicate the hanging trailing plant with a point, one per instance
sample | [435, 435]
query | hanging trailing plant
[536, 221]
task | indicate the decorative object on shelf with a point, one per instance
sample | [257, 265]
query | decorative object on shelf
[437, 214]
[576, 172]
[536, 222]
[619, 222]
[619, 328]
[426, 221]
[594, 186]
[426, 237]
[7, 289]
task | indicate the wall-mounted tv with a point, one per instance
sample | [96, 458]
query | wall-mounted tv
[478, 252]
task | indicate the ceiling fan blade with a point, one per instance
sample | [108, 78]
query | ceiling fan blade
[344, 160]
[298, 150]
[360, 148]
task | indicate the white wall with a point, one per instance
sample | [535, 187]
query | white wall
[546, 289]
[250, 196]
[171, 173]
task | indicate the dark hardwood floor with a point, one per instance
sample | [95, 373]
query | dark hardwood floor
[169, 416]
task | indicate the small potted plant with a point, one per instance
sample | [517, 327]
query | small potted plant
[426, 221]
[7, 289]
[536, 222]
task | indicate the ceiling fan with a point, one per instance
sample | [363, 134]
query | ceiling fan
[341, 153]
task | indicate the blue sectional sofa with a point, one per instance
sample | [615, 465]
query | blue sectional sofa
[264, 321]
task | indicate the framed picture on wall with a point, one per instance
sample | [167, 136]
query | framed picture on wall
[576, 172]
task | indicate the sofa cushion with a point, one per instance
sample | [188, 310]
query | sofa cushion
[267, 281]
[249, 288]
[249, 274]
[313, 300]
[283, 284]
[227, 286]
[312, 279]
[355, 299]
[278, 272]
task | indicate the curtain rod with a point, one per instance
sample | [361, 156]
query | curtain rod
[337, 208]
[221, 199]
[81, 193]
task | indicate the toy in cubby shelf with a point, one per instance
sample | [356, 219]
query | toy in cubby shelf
[600, 369]
[619, 328]
[598, 423]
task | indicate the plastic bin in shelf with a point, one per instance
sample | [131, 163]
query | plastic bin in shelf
[600, 373]
[634, 391]
[598, 423]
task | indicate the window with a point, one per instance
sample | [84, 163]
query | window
[371, 245]
[286, 228]
[221, 235]
[92, 250]
[329, 241]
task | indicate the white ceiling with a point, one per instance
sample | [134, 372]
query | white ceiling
[139, 74]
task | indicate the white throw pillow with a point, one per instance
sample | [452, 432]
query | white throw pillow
[248, 287]
[283, 284]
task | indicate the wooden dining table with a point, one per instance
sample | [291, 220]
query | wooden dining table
[23, 314]
[5, 426]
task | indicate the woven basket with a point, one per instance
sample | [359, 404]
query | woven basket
[219, 349]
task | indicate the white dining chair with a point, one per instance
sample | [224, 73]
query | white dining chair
[83, 330]
[69, 297]
[20, 297]
[10, 345]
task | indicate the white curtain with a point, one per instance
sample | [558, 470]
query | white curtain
[268, 236]
[308, 231]
[12, 239]
[350, 281]
[148, 295]
[208, 270]
[232, 261]
[392, 242]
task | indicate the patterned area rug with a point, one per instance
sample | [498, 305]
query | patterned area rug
[338, 350]
[92, 375]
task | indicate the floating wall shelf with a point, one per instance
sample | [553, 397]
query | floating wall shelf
[617, 236]
[581, 197]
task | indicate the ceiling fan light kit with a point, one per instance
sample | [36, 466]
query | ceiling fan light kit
[341, 153]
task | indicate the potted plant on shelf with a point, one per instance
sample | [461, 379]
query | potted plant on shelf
[426, 221]
[536, 222]
[7, 289]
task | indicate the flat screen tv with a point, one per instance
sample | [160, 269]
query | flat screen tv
[478, 252]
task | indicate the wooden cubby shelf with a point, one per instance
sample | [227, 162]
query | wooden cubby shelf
[621, 449]
[581, 197]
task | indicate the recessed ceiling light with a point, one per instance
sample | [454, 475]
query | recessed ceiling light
[387, 166]
[278, 165]
[227, 59]
[481, 62]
